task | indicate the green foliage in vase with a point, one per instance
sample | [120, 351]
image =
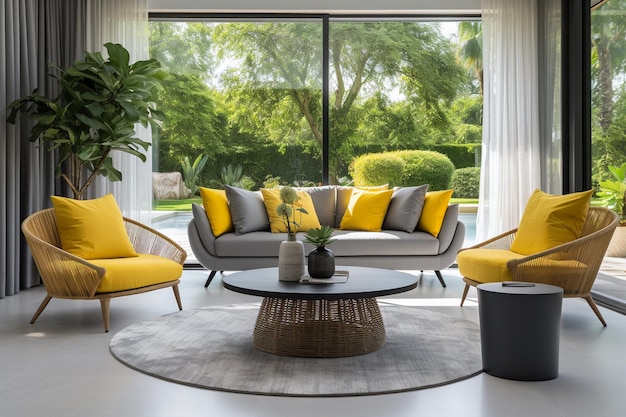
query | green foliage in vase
[288, 208]
[320, 236]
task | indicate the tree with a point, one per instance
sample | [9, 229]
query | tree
[277, 78]
[183, 48]
[193, 122]
[470, 51]
[608, 29]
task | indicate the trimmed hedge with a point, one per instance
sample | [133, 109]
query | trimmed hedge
[466, 182]
[416, 168]
[377, 169]
[461, 155]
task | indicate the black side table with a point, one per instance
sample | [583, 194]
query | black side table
[519, 328]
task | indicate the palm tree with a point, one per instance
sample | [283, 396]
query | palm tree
[470, 52]
[608, 26]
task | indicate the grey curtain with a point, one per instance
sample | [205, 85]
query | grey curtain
[32, 33]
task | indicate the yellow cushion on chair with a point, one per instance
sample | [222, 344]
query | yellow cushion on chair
[92, 229]
[550, 220]
[486, 265]
[141, 271]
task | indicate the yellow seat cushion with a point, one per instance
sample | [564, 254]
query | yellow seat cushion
[92, 229]
[486, 265]
[271, 199]
[434, 210]
[366, 210]
[140, 271]
[216, 207]
[489, 265]
[550, 220]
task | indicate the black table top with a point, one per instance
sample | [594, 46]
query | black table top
[362, 283]
[518, 287]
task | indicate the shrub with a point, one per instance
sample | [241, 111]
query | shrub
[461, 155]
[466, 182]
[376, 169]
[426, 167]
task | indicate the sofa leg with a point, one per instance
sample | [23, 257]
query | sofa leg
[440, 277]
[210, 278]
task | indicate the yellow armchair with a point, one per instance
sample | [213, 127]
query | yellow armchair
[159, 264]
[572, 266]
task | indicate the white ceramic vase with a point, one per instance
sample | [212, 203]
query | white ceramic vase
[290, 260]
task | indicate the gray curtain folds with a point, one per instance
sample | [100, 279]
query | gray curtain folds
[33, 34]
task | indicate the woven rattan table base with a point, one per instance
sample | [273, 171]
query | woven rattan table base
[319, 328]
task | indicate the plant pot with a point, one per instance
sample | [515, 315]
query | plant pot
[321, 263]
[290, 260]
[617, 246]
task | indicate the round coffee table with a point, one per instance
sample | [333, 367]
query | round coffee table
[320, 320]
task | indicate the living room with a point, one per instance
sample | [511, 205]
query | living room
[62, 366]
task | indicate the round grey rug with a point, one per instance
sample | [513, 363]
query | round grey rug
[213, 348]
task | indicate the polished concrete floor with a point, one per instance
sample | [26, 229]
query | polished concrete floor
[61, 365]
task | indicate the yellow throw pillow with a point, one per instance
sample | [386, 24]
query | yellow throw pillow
[382, 187]
[550, 220]
[435, 207]
[271, 199]
[366, 210]
[92, 229]
[216, 207]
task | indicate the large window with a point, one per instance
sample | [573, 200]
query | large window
[608, 78]
[261, 101]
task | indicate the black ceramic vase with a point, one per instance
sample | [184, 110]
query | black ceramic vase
[321, 263]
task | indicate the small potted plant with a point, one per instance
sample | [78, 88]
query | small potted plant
[321, 261]
[613, 193]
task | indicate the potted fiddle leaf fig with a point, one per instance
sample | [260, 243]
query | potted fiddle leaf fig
[613, 194]
[321, 261]
[99, 104]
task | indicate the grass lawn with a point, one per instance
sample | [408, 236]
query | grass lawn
[175, 205]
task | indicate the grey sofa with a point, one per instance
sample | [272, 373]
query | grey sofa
[391, 249]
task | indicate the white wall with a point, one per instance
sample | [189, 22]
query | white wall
[320, 6]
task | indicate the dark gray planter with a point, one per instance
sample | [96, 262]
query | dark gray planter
[321, 263]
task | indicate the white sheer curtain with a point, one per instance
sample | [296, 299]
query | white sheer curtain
[124, 22]
[511, 157]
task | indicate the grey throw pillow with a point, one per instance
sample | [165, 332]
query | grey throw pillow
[247, 210]
[405, 208]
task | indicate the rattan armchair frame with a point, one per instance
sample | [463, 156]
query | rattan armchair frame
[68, 276]
[588, 252]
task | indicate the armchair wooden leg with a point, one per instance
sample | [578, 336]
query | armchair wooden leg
[440, 277]
[595, 309]
[465, 291]
[210, 278]
[105, 303]
[41, 308]
[177, 295]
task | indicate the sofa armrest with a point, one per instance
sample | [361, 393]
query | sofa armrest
[203, 228]
[448, 227]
